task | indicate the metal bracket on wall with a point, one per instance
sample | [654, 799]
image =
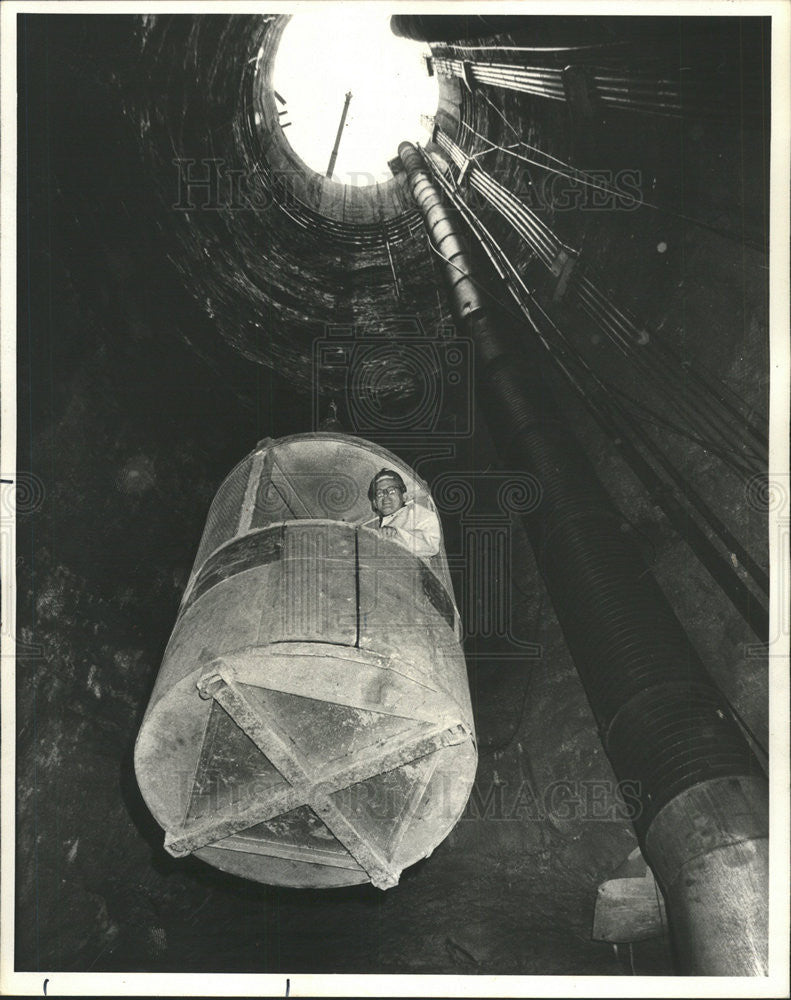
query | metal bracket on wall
[467, 76]
[562, 267]
[629, 907]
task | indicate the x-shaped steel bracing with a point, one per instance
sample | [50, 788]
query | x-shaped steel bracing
[306, 785]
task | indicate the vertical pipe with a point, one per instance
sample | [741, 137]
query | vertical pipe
[334, 154]
[703, 823]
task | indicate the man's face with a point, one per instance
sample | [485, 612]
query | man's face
[388, 496]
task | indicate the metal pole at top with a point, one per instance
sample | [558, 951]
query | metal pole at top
[334, 155]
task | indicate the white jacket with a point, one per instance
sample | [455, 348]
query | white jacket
[417, 528]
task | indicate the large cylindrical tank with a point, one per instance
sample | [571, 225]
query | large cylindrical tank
[311, 721]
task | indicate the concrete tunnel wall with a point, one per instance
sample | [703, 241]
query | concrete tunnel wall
[131, 454]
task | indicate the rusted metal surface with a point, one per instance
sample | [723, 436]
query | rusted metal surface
[710, 850]
[311, 723]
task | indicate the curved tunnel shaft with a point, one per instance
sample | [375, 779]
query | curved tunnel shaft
[664, 724]
[277, 255]
[266, 292]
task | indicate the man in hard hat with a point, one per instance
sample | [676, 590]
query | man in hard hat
[404, 521]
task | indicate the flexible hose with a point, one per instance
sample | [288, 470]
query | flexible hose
[664, 724]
